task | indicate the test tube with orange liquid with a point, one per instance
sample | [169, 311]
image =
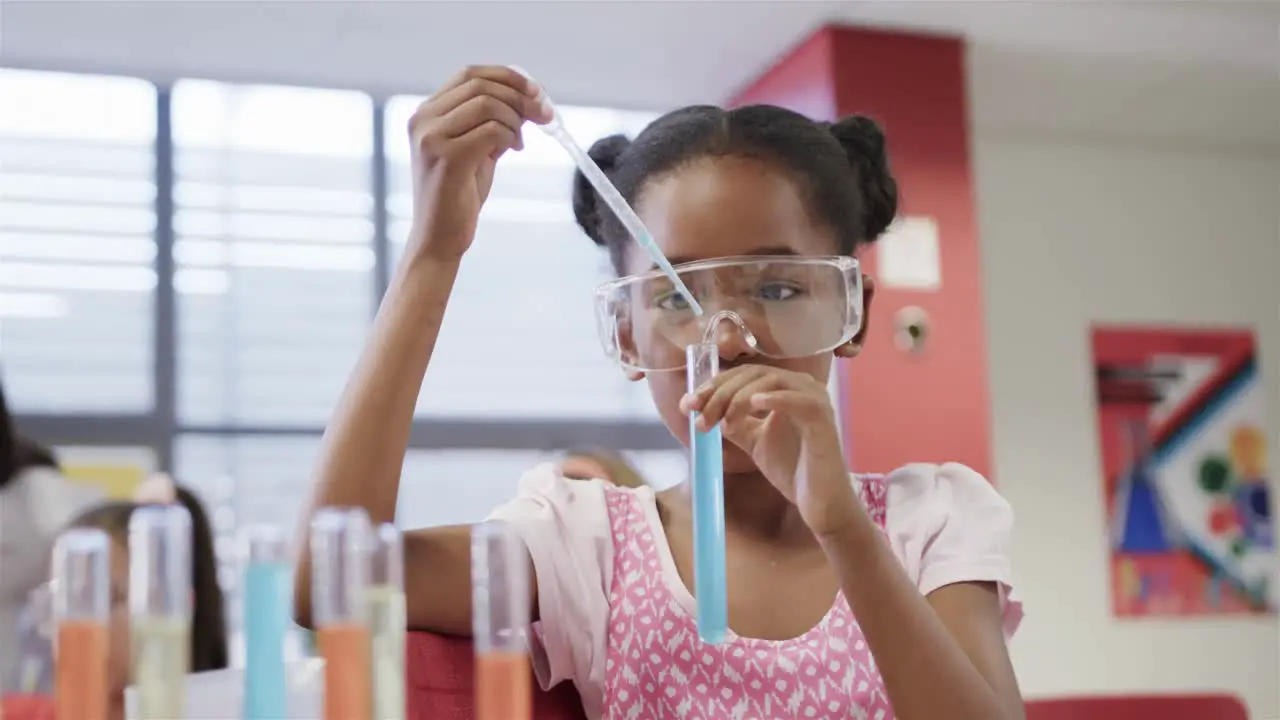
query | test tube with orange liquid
[500, 621]
[81, 610]
[160, 605]
[340, 549]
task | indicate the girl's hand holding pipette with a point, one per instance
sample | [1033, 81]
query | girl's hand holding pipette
[456, 138]
[785, 422]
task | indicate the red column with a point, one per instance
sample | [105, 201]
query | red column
[932, 405]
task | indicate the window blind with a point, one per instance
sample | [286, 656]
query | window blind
[77, 248]
[273, 249]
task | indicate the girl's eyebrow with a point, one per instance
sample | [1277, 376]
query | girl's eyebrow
[773, 250]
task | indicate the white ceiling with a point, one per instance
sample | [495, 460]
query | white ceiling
[624, 53]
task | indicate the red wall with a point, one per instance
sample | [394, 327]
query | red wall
[933, 405]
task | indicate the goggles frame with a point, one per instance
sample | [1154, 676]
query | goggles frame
[606, 297]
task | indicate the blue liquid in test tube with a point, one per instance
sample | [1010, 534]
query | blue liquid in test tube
[706, 470]
[266, 621]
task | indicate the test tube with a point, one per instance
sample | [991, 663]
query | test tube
[36, 638]
[160, 608]
[340, 584]
[387, 623]
[266, 620]
[81, 611]
[500, 619]
[706, 472]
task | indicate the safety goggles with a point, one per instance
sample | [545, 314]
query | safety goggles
[782, 307]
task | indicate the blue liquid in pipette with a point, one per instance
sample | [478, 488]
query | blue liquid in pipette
[708, 532]
[266, 618]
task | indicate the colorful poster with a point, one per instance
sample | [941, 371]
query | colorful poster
[1184, 440]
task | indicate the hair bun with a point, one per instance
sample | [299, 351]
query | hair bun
[586, 201]
[864, 145]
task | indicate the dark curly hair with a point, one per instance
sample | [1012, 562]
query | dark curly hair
[16, 452]
[842, 167]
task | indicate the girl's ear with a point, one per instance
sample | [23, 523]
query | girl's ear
[854, 346]
[849, 349]
[868, 294]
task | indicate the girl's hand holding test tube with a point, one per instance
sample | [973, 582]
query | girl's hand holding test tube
[785, 422]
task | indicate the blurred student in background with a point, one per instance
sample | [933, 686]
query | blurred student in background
[36, 501]
[596, 463]
[208, 622]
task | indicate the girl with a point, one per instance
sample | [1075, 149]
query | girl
[36, 501]
[600, 464]
[849, 597]
[208, 623]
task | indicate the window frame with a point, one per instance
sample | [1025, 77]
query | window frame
[160, 428]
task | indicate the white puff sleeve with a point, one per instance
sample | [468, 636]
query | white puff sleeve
[565, 524]
[948, 525]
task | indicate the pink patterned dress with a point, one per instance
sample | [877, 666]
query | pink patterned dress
[658, 669]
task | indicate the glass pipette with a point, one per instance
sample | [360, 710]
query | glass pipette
[618, 204]
[706, 473]
[340, 544]
[160, 608]
[81, 611]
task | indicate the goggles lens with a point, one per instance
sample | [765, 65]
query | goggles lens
[791, 307]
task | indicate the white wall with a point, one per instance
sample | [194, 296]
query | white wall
[1115, 194]
[577, 49]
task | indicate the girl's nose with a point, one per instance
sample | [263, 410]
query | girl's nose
[734, 339]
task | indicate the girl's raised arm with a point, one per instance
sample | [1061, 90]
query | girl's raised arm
[457, 137]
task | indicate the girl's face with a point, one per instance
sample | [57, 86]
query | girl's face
[726, 207]
[584, 468]
[118, 670]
